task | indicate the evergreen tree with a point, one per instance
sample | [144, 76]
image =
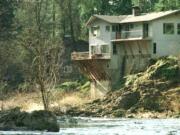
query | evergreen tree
[7, 8]
[121, 7]
[164, 5]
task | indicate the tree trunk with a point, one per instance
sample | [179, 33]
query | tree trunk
[44, 96]
[71, 21]
[54, 19]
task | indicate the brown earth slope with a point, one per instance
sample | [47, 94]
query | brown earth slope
[153, 93]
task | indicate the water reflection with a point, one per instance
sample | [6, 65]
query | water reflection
[100, 126]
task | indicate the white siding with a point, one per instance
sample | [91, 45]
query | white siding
[104, 38]
[166, 44]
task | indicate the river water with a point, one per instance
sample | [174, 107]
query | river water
[103, 126]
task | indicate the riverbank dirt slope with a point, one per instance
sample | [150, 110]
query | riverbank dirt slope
[152, 93]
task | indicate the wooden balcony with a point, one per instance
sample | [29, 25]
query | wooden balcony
[104, 56]
[85, 56]
[80, 56]
[131, 35]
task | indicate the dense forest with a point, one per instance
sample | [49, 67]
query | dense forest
[32, 34]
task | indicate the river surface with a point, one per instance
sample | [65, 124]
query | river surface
[103, 126]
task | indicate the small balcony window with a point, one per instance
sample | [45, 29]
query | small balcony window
[93, 50]
[107, 28]
[104, 49]
[168, 28]
[178, 28]
[95, 30]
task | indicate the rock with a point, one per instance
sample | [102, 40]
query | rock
[128, 99]
[119, 113]
[130, 116]
[38, 120]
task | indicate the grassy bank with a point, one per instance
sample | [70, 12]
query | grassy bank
[30, 101]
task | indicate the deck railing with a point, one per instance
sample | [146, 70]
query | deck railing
[101, 56]
[86, 56]
[129, 34]
[80, 55]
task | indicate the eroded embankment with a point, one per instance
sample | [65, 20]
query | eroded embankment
[153, 93]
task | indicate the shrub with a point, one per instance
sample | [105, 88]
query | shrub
[86, 87]
[68, 86]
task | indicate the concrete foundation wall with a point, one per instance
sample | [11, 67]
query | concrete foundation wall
[99, 89]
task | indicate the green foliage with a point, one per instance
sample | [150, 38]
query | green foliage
[22, 33]
[3, 86]
[68, 86]
[165, 68]
[74, 86]
[130, 79]
[7, 9]
[85, 88]
[163, 5]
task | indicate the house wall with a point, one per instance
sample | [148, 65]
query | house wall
[166, 44]
[104, 38]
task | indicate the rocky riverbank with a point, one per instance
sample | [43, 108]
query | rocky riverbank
[17, 120]
[155, 93]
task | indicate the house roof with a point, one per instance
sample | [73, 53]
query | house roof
[107, 18]
[131, 18]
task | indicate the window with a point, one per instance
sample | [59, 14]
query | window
[154, 48]
[108, 28]
[95, 30]
[116, 28]
[131, 26]
[168, 28]
[104, 49]
[178, 28]
[145, 30]
[93, 50]
[114, 49]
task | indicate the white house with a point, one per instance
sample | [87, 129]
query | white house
[121, 45]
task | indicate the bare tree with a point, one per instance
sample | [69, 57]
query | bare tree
[45, 52]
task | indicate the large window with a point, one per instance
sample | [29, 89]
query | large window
[168, 28]
[178, 28]
[95, 30]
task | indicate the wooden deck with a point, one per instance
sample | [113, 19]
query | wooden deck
[77, 56]
[80, 56]
[131, 39]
